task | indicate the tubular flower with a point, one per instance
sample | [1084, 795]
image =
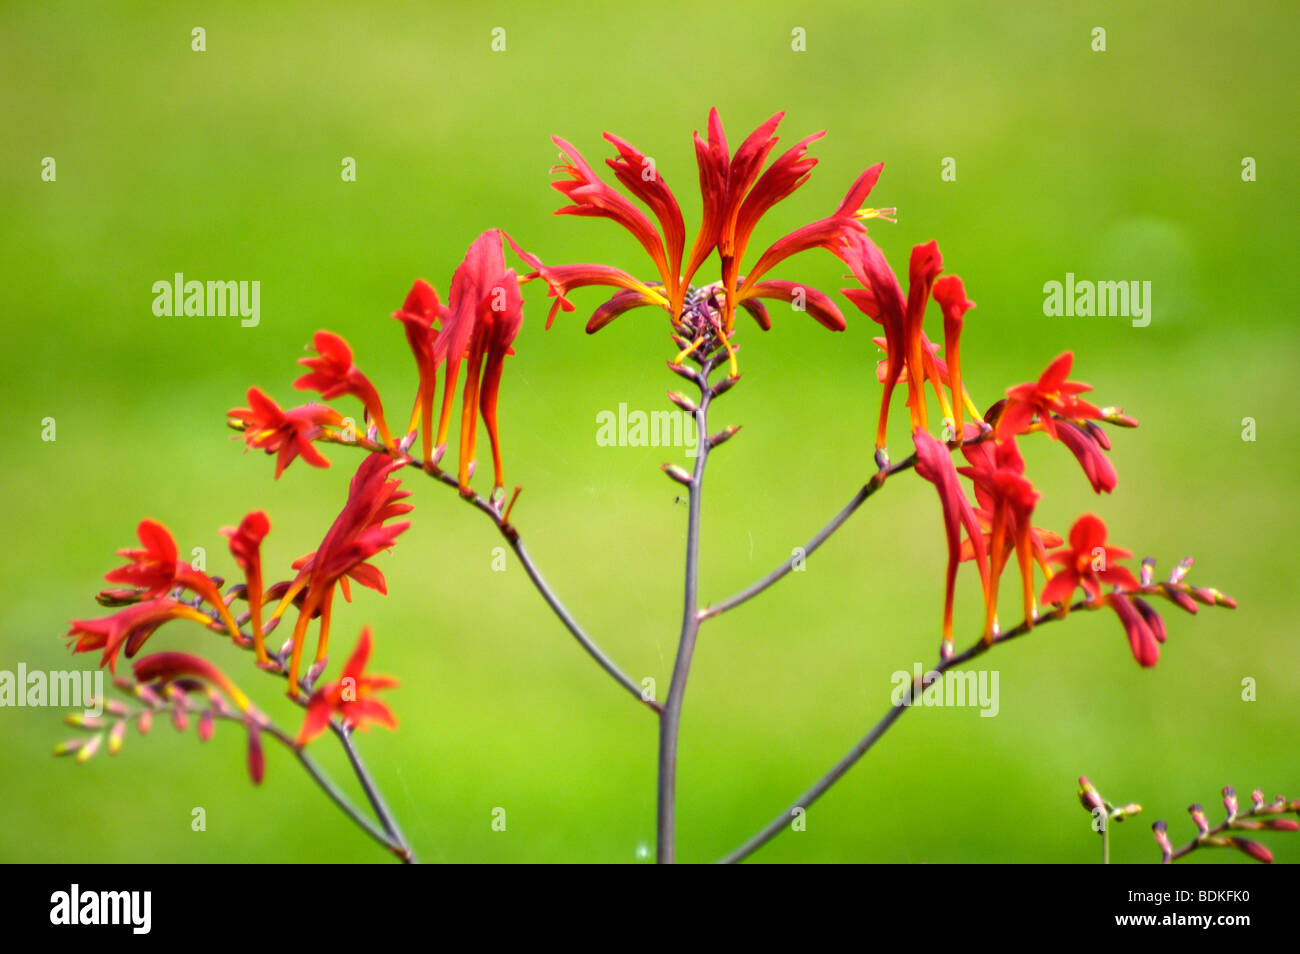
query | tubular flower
[165, 668]
[934, 463]
[1000, 476]
[129, 628]
[736, 192]
[156, 570]
[1142, 624]
[984, 459]
[1087, 562]
[1088, 442]
[950, 293]
[357, 534]
[290, 432]
[1050, 395]
[352, 697]
[246, 548]
[484, 316]
[419, 315]
[909, 356]
[333, 374]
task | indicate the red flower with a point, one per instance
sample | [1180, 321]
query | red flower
[155, 569]
[333, 374]
[951, 296]
[357, 534]
[419, 315]
[484, 316]
[129, 628]
[908, 354]
[736, 193]
[1143, 639]
[1087, 562]
[934, 463]
[245, 547]
[1000, 475]
[168, 667]
[1088, 442]
[352, 697]
[289, 432]
[1051, 394]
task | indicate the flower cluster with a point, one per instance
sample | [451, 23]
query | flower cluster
[988, 504]
[156, 588]
[736, 192]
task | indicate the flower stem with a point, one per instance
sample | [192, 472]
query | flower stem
[804, 801]
[671, 717]
[400, 845]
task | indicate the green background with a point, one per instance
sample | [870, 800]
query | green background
[1120, 165]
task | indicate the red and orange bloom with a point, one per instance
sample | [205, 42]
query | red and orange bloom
[1144, 638]
[129, 628]
[351, 698]
[1050, 395]
[1087, 562]
[246, 548]
[357, 534]
[909, 357]
[164, 668]
[1088, 443]
[333, 374]
[156, 569]
[419, 315]
[736, 193]
[486, 312]
[934, 463]
[289, 433]
[950, 293]
[1000, 477]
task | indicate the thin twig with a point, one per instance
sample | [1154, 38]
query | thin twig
[875, 483]
[511, 535]
[402, 847]
[782, 821]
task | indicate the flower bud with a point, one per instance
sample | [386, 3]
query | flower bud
[1198, 816]
[676, 473]
[1162, 839]
[1230, 801]
[682, 401]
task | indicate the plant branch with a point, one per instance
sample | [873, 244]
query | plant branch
[804, 801]
[400, 845]
[499, 517]
[875, 483]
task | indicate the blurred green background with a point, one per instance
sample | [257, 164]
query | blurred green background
[1122, 165]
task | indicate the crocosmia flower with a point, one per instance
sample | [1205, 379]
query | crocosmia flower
[486, 312]
[357, 534]
[246, 548]
[129, 628]
[352, 698]
[1050, 395]
[909, 354]
[286, 433]
[1087, 562]
[736, 192]
[156, 569]
[934, 463]
[999, 474]
[333, 374]
[419, 315]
